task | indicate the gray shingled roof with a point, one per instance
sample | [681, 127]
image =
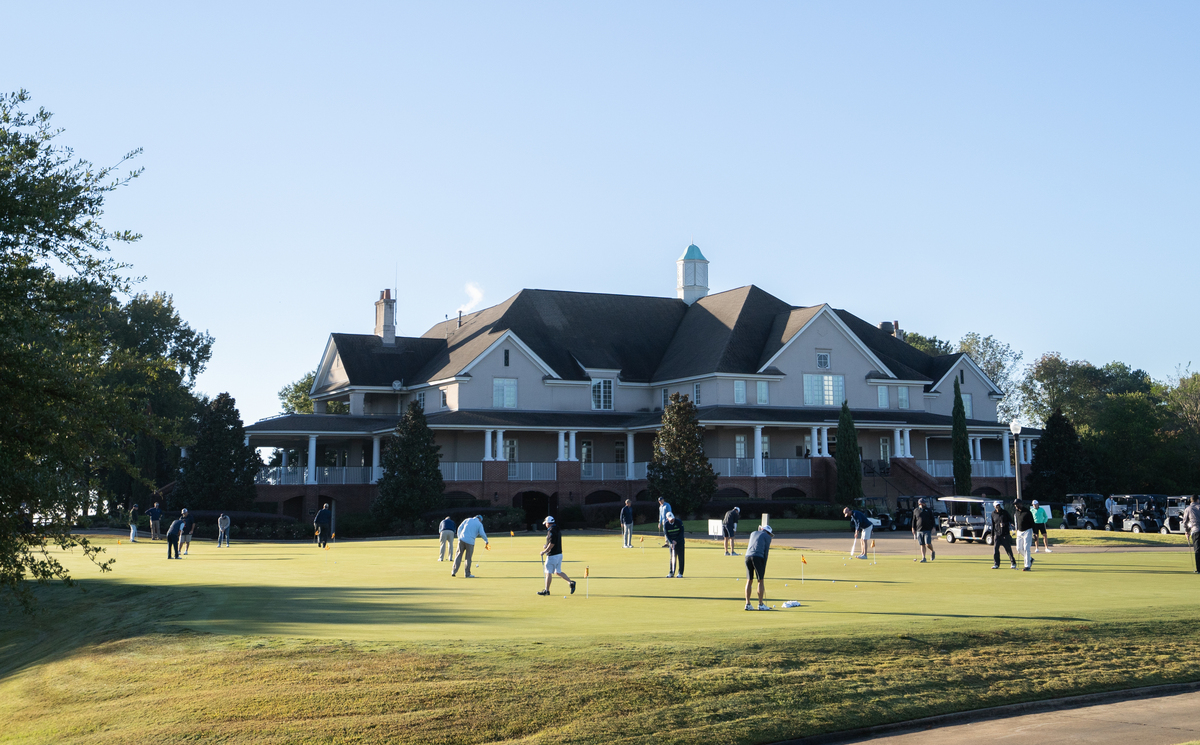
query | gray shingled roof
[369, 362]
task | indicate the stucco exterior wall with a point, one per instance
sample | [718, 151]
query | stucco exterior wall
[800, 358]
[984, 407]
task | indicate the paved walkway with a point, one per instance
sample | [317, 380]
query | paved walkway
[901, 542]
[1164, 720]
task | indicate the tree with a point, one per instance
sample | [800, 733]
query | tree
[930, 345]
[295, 400]
[64, 420]
[220, 469]
[679, 471]
[999, 362]
[849, 464]
[1060, 465]
[959, 446]
[412, 476]
[1077, 387]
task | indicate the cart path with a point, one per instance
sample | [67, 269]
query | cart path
[1161, 720]
[901, 542]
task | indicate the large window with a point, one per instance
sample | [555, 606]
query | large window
[510, 450]
[824, 390]
[619, 451]
[739, 391]
[883, 397]
[766, 446]
[504, 393]
[739, 446]
[666, 398]
[967, 406]
[421, 400]
[885, 448]
[587, 452]
[762, 393]
[902, 396]
[602, 395]
[443, 399]
[696, 394]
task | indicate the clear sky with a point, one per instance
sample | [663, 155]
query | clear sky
[1029, 170]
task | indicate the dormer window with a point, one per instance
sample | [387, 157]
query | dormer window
[602, 395]
[696, 393]
[739, 391]
[822, 360]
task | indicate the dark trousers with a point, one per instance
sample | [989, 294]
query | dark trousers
[677, 558]
[1004, 542]
[172, 543]
[323, 536]
[1195, 539]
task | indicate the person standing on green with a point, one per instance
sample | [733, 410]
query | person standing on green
[673, 529]
[155, 515]
[1041, 515]
[322, 523]
[756, 563]
[173, 533]
[133, 518]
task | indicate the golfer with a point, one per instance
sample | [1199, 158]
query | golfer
[1041, 515]
[862, 530]
[1024, 522]
[133, 518]
[552, 552]
[155, 515]
[664, 507]
[1191, 526]
[322, 523]
[627, 524]
[173, 538]
[1001, 523]
[223, 530]
[756, 563]
[923, 523]
[673, 529]
[468, 531]
[729, 527]
[446, 542]
[187, 526]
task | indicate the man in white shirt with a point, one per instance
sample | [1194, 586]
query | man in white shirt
[468, 531]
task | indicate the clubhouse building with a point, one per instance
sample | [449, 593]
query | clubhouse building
[553, 398]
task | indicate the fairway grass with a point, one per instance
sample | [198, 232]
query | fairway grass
[372, 641]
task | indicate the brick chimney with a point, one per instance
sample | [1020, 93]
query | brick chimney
[385, 317]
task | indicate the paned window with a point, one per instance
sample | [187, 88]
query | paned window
[696, 394]
[504, 393]
[883, 397]
[885, 448]
[602, 392]
[443, 399]
[968, 408]
[762, 393]
[739, 391]
[824, 390]
[902, 396]
[510, 450]
[766, 446]
[739, 446]
[421, 400]
[587, 452]
[666, 398]
[619, 451]
[822, 360]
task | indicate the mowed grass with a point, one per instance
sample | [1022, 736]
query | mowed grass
[373, 642]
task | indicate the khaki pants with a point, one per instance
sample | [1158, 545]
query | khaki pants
[447, 545]
[464, 550]
[154, 534]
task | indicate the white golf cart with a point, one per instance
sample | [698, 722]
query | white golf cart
[967, 519]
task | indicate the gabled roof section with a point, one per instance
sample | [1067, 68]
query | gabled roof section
[904, 360]
[568, 331]
[725, 332]
[369, 362]
[803, 320]
[783, 329]
[966, 358]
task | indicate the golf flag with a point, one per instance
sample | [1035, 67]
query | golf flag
[872, 543]
[802, 559]
[487, 546]
[642, 539]
[511, 534]
[587, 572]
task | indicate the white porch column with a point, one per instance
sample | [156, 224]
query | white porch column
[971, 445]
[285, 457]
[897, 448]
[571, 446]
[311, 476]
[815, 448]
[908, 453]
[629, 456]
[1028, 449]
[758, 458]
[487, 445]
[562, 445]
[824, 442]
[500, 454]
[1008, 472]
[376, 466]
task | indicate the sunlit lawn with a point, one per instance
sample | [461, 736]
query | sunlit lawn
[373, 641]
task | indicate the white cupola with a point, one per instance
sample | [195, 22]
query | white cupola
[691, 275]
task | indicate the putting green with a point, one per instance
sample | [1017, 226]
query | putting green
[396, 590]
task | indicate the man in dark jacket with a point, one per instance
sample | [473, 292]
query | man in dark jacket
[1191, 526]
[446, 538]
[923, 523]
[155, 514]
[627, 524]
[322, 522]
[1001, 523]
[862, 531]
[729, 528]
[673, 528]
[1024, 521]
[187, 525]
[173, 538]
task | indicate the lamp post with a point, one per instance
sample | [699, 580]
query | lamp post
[1015, 428]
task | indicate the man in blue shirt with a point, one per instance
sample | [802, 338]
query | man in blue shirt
[469, 531]
[663, 508]
[674, 532]
[173, 538]
[627, 524]
[862, 530]
[446, 534]
[186, 526]
[155, 514]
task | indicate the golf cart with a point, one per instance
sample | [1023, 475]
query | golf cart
[1083, 512]
[1171, 509]
[1134, 513]
[876, 508]
[967, 519]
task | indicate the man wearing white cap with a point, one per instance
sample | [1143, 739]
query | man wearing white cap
[469, 531]
[673, 529]
[1041, 515]
[756, 563]
[552, 552]
[729, 528]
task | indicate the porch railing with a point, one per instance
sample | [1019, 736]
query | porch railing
[280, 476]
[733, 466]
[518, 471]
[462, 471]
[639, 471]
[345, 475]
[603, 471]
[944, 469]
[787, 467]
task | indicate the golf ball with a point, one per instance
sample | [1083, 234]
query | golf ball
[564, 597]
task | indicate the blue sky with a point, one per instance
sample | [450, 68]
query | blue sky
[1029, 170]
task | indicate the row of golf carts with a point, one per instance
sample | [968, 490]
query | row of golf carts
[967, 518]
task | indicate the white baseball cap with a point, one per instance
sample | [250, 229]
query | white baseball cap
[549, 520]
[997, 503]
[1035, 501]
[670, 515]
[768, 529]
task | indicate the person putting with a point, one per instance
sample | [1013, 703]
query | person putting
[323, 522]
[673, 529]
[729, 528]
[756, 563]
[552, 553]
[173, 533]
[862, 531]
